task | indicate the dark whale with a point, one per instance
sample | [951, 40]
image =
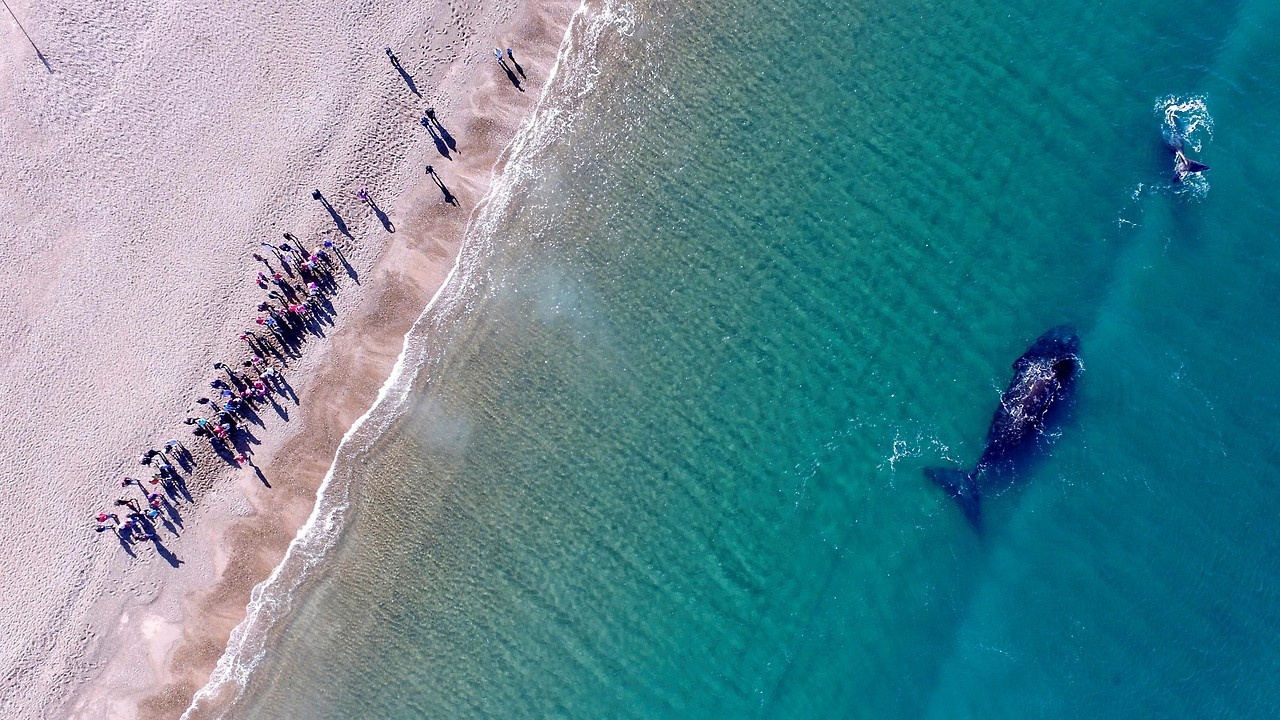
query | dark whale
[1174, 139]
[1041, 377]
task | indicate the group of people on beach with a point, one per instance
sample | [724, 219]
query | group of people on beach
[297, 286]
[298, 282]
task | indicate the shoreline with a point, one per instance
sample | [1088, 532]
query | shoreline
[361, 358]
[410, 280]
[140, 638]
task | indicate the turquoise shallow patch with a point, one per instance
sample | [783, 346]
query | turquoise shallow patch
[667, 461]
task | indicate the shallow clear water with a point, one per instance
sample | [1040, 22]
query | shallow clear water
[664, 457]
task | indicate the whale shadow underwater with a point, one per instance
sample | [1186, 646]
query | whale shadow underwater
[1043, 380]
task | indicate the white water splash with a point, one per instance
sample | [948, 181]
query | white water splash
[1187, 117]
[915, 446]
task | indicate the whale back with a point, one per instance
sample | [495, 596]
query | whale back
[1041, 376]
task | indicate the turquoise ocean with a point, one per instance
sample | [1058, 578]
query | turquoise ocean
[657, 450]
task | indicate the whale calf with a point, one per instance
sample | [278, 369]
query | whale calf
[1174, 139]
[1042, 376]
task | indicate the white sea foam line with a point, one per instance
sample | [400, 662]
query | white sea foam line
[265, 597]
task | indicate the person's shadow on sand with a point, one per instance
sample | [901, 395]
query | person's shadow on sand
[444, 132]
[448, 196]
[510, 75]
[441, 146]
[166, 553]
[404, 75]
[337, 219]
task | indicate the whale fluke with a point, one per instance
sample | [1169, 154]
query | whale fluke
[1195, 167]
[1175, 139]
[1184, 166]
[962, 486]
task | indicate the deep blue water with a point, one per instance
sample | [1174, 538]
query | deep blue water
[664, 457]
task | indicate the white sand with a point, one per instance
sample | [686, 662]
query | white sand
[141, 170]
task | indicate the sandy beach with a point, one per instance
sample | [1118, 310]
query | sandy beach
[150, 150]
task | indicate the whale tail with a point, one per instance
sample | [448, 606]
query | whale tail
[1184, 166]
[962, 486]
[1195, 167]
